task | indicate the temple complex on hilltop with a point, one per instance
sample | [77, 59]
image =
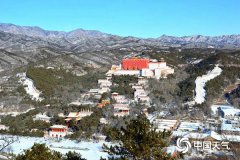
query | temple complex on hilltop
[142, 67]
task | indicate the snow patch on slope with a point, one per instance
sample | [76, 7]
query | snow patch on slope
[89, 150]
[201, 83]
[29, 87]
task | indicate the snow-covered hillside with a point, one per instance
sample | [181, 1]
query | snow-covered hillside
[29, 87]
[201, 82]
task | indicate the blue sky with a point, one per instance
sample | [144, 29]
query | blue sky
[140, 18]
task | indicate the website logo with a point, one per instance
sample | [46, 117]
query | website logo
[183, 145]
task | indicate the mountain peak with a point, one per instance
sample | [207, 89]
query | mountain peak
[34, 31]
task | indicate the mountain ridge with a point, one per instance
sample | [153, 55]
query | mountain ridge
[29, 44]
[36, 31]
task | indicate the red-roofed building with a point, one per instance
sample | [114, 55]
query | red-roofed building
[135, 63]
[58, 131]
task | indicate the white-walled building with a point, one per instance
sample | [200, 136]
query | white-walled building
[142, 81]
[58, 131]
[127, 72]
[104, 83]
[121, 110]
[216, 107]
[42, 117]
[165, 124]
[119, 98]
[230, 126]
[190, 126]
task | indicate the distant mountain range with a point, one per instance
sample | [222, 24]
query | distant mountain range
[23, 44]
[81, 39]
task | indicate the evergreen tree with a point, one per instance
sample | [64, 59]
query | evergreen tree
[73, 156]
[139, 141]
[39, 152]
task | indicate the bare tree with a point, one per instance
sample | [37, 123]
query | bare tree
[6, 141]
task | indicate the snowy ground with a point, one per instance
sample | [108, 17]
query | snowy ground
[29, 87]
[88, 150]
[201, 82]
[196, 61]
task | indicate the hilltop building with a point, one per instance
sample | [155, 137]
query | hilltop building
[144, 67]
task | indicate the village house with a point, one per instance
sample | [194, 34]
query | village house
[98, 91]
[119, 98]
[142, 81]
[104, 83]
[137, 86]
[121, 110]
[230, 113]
[138, 92]
[190, 126]
[165, 124]
[93, 91]
[212, 124]
[218, 107]
[207, 136]
[140, 95]
[104, 89]
[230, 127]
[143, 98]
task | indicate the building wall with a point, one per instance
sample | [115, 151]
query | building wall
[127, 72]
[153, 65]
[57, 134]
[162, 64]
[146, 73]
[135, 64]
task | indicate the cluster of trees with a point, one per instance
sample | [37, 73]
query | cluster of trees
[47, 80]
[44, 79]
[60, 86]
[23, 124]
[42, 152]
[121, 84]
[216, 86]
